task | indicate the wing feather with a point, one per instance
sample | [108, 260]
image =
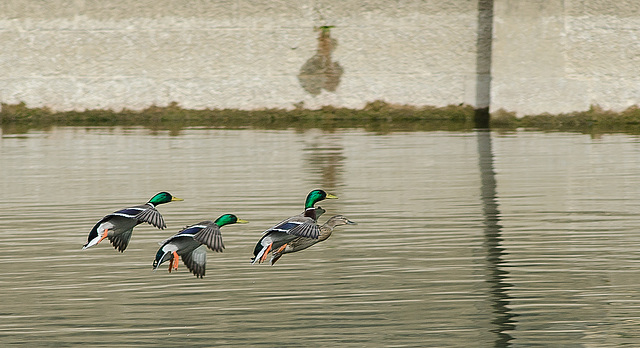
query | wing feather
[196, 261]
[129, 212]
[120, 241]
[151, 216]
[210, 236]
[298, 225]
[189, 231]
[308, 230]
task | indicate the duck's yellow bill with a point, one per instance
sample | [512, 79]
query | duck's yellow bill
[176, 199]
[240, 221]
[331, 196]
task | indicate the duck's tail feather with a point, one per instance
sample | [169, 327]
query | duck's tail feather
[275, 257]
[262, 254]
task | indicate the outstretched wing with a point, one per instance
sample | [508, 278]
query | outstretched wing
[196, 261]
[298, 226]
[307, 230]
[188, 231]
[210, 236]
[149, 215]
[130, 213]
[121, 240]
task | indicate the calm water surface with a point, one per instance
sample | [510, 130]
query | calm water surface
[471, 239]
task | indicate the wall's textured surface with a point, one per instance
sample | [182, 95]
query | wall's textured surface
[545, 56]
[236, 54]
[565, 55]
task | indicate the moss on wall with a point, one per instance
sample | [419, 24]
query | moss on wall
[377, 116]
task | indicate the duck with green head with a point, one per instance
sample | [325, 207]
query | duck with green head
[192, 242]
[118, 226]
[301, 243]
[301, 225]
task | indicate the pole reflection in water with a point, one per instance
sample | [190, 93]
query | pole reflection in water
[494, 252]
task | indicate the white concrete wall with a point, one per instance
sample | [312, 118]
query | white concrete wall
[545, 55]
[564, 55]
[233, 54]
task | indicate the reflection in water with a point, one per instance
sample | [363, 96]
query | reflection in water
[415, 272]
[324, 154]
[495, 276]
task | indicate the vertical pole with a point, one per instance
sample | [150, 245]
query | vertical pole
[483, 63]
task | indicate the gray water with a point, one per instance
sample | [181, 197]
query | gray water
[464, 239]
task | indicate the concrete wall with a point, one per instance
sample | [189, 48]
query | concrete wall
[565, 55]
[532, 56]
[236, 54]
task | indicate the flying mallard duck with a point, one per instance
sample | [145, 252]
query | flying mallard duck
[301, 243]
[119, 225]
[190, 244]
[275, 239]
[301, 225]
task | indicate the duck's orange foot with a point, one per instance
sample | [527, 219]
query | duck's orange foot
[281, 248]
[263, 258]
[173, 264]
[104, 235]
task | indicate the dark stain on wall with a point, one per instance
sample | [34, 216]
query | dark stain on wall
[320, 72]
